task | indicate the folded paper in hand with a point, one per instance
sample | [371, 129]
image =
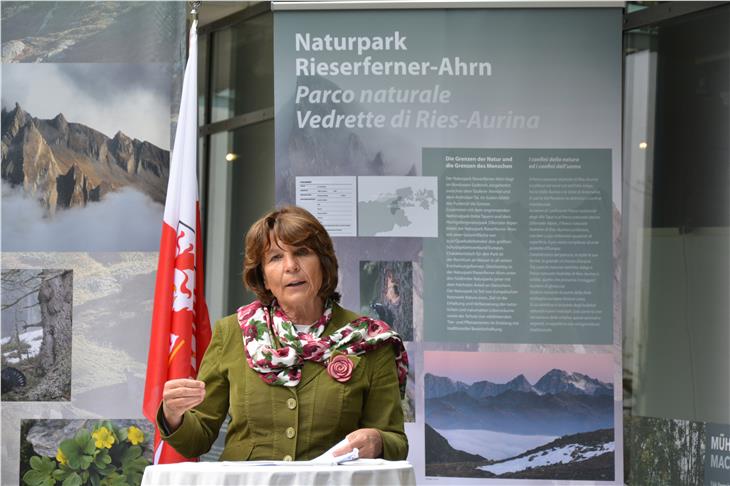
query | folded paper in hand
[328, 458]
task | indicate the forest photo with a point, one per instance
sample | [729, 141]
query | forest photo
[664, 451]
[386, 293]
[36, 334]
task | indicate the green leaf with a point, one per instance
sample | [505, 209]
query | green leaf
[108, 470]
[74, 463]
[132, 453]
[73, 480]
[88, 447]
[122, 481]
[82, 437]
[260, 327]
[85, 461]
[33, 477]
[35, 462]
[94, 478]
[71, 450]
[116, 480]
[47, 466]
[60, 474]
[136, 478]
[85, 444]
[136, 466]
[102, 459]
[42, 472]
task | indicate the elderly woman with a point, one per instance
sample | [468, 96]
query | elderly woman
[296, 372]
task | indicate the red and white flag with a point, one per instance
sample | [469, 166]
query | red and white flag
[180, 324]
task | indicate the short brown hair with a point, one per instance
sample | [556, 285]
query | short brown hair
[293, 226]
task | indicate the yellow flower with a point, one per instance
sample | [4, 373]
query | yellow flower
[103, 438]
[135, 435]
[60, 457]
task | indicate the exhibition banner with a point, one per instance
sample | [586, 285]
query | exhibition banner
[467, 164]
[89, 105]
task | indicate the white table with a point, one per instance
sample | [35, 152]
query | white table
[362, 472]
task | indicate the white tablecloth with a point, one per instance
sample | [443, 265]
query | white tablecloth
[376, 472]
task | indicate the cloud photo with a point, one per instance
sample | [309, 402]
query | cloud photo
[132, 98]
[126, 220]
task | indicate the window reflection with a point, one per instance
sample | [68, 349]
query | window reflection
[242, 76]
[676, 244]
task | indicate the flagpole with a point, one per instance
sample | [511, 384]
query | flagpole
[194, 9]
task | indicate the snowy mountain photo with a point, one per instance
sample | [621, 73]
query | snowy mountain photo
[532, 415]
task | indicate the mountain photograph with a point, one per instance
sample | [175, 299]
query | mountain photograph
[84, 168]
[519, 415]
[66, 165]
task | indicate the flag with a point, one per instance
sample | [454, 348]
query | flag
[180, 324]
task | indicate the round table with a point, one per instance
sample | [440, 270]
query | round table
[361, 472]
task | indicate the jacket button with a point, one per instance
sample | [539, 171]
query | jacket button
[291, 403]
[290, 432]
[287, 457]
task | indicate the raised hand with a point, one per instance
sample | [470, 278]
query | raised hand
[178, 396]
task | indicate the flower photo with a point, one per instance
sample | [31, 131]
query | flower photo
[84, 451]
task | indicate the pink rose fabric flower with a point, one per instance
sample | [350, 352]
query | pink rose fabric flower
[250, 331]
[314, 350]
[245, 312]
[376, 327]
[340, 368]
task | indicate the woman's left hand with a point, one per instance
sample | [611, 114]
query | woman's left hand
[367, 441]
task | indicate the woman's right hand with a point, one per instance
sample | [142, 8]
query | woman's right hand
[178, 396]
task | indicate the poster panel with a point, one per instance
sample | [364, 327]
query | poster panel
[89, 92]
[473, 155]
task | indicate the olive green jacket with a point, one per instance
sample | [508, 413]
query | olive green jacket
[290, 423]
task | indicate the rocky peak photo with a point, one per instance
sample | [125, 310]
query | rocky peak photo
[65, 164]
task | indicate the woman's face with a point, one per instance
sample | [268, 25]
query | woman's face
[294, 276]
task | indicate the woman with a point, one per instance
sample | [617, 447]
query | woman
[296, 372]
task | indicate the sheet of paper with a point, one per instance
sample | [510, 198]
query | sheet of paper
[323, 460]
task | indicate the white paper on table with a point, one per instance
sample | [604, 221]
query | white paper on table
[326, 459]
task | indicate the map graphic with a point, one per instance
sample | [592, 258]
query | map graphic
[397, 206]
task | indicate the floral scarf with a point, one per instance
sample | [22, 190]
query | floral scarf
[283, 365]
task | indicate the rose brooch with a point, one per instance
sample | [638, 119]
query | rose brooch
[340, 367]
